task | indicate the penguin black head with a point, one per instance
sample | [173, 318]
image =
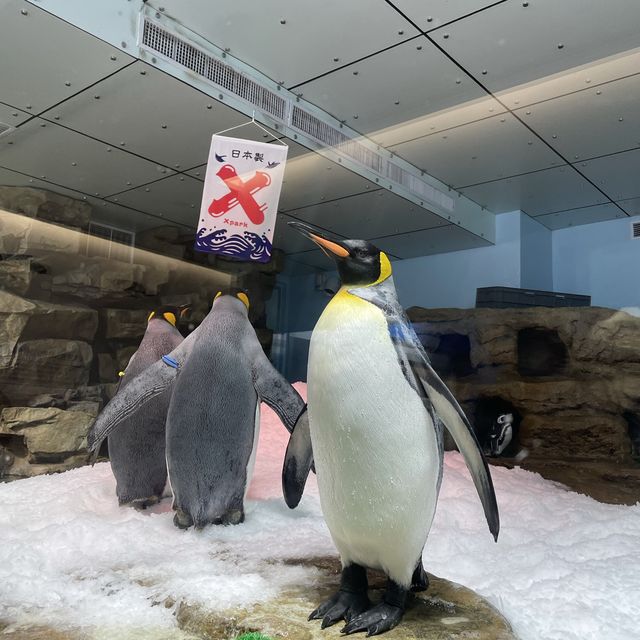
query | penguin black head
[169, 313]
[359, 262]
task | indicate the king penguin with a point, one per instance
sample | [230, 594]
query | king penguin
[137, 451]
[376, 409]
[218, 376]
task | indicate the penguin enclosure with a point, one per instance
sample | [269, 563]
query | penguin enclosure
[319, 320]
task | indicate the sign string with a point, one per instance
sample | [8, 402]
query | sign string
[253, 121]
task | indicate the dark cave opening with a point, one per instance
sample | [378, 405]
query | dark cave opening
[486, 413]
[452, 356]
[541, 352]
[633, 424]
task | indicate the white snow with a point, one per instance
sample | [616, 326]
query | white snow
[565, 568]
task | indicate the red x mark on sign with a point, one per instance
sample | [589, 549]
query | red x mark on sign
[240, 193]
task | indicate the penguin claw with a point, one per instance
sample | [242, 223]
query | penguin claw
[344, 605]
[379, 619]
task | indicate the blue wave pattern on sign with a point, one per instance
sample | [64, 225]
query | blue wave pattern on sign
[248, 246]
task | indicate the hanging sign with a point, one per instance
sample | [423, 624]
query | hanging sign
[240, 198]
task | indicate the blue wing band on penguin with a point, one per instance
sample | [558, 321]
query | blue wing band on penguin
[170, 361]
[435, 394]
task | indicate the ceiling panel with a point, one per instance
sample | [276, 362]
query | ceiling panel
[310, 179]
[171, 122]
[536, 193]
[392, 87]
[424, 243]
[609, 113]
[11, 116]
[51, 152]
[616, 175]
[631, 206]
[369, 215]
[576, 79]
[428, 15]
[113, 214]
[294, 41]
[176, 198]
[288, 240]
[10, 178]
[433, 123]
[314, 258]
[44, 60]
[576, 217]
[517, 42]
[102, 211]
[490, 149]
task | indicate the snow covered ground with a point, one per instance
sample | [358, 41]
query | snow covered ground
[565, 567]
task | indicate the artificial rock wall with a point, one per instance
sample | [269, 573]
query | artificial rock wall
[70, 319]
[571, 376]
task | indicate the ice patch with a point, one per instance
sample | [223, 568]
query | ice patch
[565, 567]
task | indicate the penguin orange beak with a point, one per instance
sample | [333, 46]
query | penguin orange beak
[332, 248]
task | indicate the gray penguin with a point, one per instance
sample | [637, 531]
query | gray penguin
[376, 411]
[218, 377]
[137, 450]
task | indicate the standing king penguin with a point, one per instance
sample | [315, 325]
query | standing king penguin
[137, 451]
[218, 377]
[375, 413]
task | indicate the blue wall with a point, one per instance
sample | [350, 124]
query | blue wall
[536, 260]
[451, 279]
[442, 280]
[601, 260]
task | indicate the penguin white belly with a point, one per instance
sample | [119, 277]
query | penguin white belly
[375, 447]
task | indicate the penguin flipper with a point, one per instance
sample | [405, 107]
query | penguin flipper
[457, 424]
[274, 390]
[297, 462]
[150, 383]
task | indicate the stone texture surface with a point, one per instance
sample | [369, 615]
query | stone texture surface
[165, 239]
[46, 205]
[50, 435]
[124, 323]
[446, 611]
[15, 274]
[574, 411]
[66, 356]
[22, 320]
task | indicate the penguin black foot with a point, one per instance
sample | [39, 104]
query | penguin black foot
[349, 602]
[182, 520]
[419, 579]
[382, 617]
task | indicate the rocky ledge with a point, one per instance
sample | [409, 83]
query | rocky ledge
[446, 611]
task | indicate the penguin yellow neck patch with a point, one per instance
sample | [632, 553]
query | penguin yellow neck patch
[385, 268]
[170, 318]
